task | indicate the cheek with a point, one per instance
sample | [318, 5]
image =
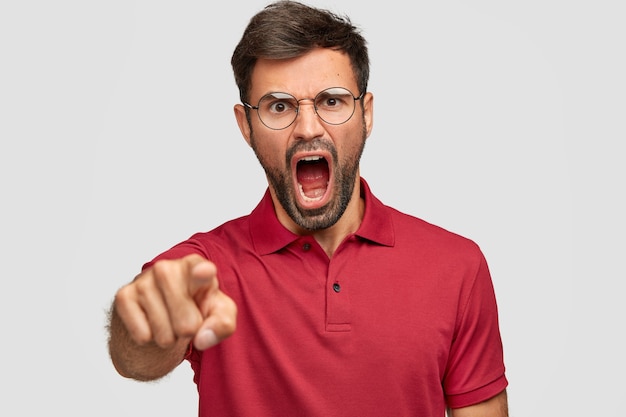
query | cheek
[352, 142]
[269, 150]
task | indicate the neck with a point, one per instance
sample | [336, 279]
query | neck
[331, 237]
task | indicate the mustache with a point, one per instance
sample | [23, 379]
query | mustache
[311, 146]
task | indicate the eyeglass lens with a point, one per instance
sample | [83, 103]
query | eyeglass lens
[333, 105]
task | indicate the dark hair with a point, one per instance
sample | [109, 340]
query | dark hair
[287, 29]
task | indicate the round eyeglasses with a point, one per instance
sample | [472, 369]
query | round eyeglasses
[278, 111]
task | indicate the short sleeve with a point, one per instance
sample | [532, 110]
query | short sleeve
[475, 370]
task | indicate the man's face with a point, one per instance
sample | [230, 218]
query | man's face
[312, 167]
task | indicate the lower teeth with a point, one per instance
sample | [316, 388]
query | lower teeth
[317, 194]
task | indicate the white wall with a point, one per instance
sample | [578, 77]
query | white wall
[502, 121]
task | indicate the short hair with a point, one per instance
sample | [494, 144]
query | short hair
[287, 29]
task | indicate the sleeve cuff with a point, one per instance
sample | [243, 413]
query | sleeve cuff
[478, 395]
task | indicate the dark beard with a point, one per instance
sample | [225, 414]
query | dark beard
[345, 173]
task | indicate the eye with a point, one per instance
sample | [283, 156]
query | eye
[278, 103]
[333, 100]
[280, 106]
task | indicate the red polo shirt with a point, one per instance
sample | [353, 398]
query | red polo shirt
[402, 321]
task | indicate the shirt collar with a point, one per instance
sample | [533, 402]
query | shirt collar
[269, 235]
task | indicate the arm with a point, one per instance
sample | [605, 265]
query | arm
[154, 319]
[493, 407]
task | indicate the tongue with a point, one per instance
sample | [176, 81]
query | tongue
[313, 177]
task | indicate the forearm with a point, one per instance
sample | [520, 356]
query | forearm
[141, 362]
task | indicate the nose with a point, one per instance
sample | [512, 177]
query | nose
[308, 125]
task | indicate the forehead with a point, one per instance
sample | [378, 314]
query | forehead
[303, 76]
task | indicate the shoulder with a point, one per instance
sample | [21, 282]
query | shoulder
[231, 234]
[387, 225]
[213, 244]
[417, 231]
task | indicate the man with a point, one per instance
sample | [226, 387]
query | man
[322, 301]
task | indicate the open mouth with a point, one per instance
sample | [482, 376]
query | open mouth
[313, 176]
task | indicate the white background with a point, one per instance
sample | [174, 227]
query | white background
[501, 121]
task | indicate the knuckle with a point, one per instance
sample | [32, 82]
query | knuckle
[144, 289]
[186, 326]
[164, 339]
[141, 338]
[124, 301]
[229, 324]
[162, 269]
[124, 295]
[168, 274]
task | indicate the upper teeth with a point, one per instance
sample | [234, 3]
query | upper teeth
[311, 158]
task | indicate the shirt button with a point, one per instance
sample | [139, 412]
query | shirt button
[306, 247]
[336, 287]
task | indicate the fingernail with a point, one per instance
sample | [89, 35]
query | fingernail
[205, 339]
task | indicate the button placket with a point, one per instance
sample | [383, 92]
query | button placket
[338, 306]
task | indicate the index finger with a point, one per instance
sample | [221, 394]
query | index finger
[201, 276]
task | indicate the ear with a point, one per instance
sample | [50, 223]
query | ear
[368, 112]
[242, 121]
